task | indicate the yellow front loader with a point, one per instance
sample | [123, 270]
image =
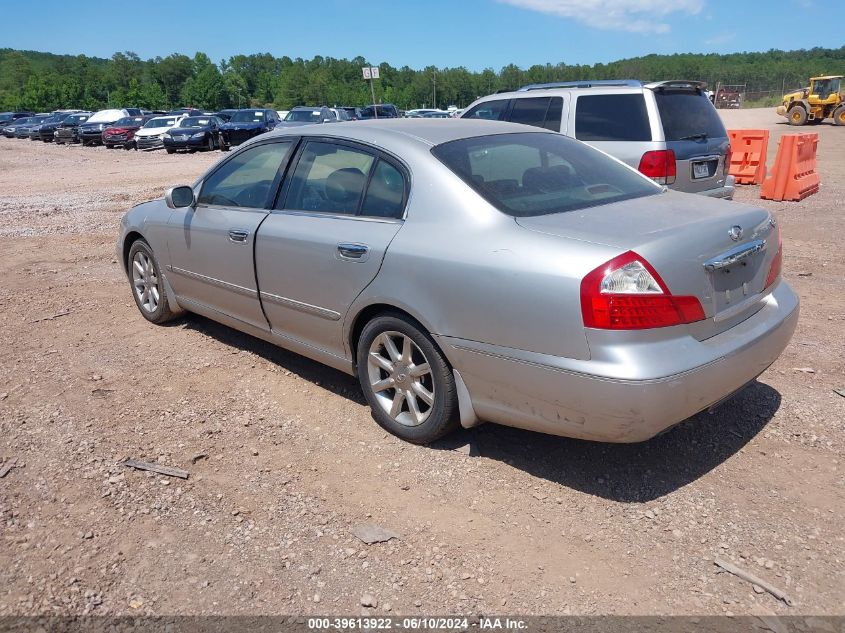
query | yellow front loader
[822, 99]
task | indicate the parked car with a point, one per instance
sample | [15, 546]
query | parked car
[353, 112]
[340, 114]
[11, 127]
[668, 130]
[437, 114]
[193, 133]
[55, 117]
[122, 132]
[7, 117]
[245, 124]
[187, 112]
[68, 130]
[308, 115]
[151, 136]
[418, 112]
[383, 110]
[46, 130]
[24, 130]
[91, 132]
[512, 275]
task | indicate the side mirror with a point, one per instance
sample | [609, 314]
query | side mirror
[179, 197]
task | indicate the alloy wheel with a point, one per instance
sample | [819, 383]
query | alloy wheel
[145, 282]
[401, 379]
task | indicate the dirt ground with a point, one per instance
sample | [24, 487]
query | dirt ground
[285, 460]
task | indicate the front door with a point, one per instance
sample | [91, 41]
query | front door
[212, 244]
[326, 240]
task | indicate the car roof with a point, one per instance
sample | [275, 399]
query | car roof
[396, 133]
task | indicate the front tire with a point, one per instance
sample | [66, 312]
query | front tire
[148, 284]
[170, 150]
[797, 116]
[839, 115]
[406, 380]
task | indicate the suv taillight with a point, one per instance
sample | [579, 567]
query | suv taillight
[626, 293]
[659, 165]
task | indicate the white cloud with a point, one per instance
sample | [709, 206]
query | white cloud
[636, 16]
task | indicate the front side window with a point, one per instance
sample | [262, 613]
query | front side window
[537, 173]
[329, 178]
[489, 110]
[613, 117]
[246, 179]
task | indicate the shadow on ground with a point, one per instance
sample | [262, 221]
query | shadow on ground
[621, 472]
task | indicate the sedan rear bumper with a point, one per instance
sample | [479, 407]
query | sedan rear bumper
[563, 397]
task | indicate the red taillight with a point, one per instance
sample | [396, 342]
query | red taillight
[659, 165]
[776, 265]
[626, 293]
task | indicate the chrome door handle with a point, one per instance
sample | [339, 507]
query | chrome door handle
[238, 235]
[353, 251]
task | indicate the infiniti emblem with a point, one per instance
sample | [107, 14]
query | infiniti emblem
[735, 232]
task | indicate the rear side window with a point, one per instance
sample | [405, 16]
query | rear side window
[537, 173]
[542, 112]
[687, 116]
[489, 110]
[615, 117]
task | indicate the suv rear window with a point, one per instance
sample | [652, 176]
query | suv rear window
[538, 111]
[687, 115]
[613, 117]
[537, 173]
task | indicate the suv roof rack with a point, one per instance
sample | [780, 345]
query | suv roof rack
[586, 83]
[678, 84]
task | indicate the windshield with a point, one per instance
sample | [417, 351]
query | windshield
[531, 174]
[247, 116]
[383, 111]
[304, 116]
[195, 121]
[163, 122]
[688, 116]
[77, 118]
[29, 119]
[130, 121]
[56, 118]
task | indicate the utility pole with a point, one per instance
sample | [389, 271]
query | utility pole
[435, 88]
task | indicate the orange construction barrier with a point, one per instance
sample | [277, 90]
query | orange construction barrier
[748, 155]
[794, 176]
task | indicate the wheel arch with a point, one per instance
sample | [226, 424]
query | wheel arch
[128, 241]
[359, 318]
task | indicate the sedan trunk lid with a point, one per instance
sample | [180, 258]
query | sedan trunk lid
[717, 251]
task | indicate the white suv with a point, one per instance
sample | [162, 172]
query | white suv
[668, 130]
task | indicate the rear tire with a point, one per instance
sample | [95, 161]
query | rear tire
[170, 150]
[147, 284]
[839, 115]
[406, 380]
[797, 116]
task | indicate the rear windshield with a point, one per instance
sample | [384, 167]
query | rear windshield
[688, 116]
[531, 174]
[613, 117]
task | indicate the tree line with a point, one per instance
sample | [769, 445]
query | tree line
[43, 81]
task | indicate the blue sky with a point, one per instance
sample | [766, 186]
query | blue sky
[472, 33]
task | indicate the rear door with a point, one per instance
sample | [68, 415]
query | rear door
[544, 112]
[693, 130]
[323, 244]
[211, 244]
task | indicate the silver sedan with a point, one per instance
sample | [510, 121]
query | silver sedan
[477, 271]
